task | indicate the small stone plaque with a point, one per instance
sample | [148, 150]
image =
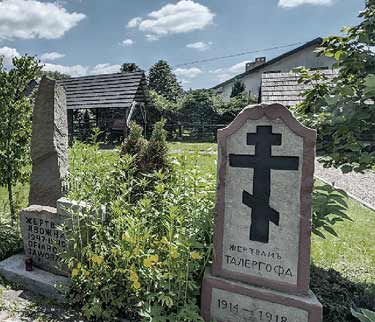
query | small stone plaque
[228, 306]
[42, 238]
[230, 301]
[263, 223]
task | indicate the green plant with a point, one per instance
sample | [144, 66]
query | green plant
[15, 124]
[130, 68]
[363, 315]
[342, 108]
[163, 81]
[149, 155]
[10, 240]
[147, 260]
[338, 293]
[329, 206]
[238, 88]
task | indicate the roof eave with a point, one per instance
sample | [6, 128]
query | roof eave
[313, 42]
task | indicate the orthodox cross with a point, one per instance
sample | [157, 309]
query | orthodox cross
[262, 163]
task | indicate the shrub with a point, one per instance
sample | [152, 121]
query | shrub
[338, 294]
[147, 260]
[150, 155]
[10, 240]
[364, 315]
[329, 206]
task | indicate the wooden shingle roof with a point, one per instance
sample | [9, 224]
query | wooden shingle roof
[284, 88]
[105, 91]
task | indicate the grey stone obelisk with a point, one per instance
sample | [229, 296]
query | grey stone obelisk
[49, 144]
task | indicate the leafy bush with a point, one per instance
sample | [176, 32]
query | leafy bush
[338, 294]
[364, 315]
[10, 240]
[342, 108]
[149, 155]
[329, 205]
[146, 261]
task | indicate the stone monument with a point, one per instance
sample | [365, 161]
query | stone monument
[49, 144]
[43, 240]
[261, 268]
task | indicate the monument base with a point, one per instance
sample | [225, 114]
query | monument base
[37, 281]
[229, 301]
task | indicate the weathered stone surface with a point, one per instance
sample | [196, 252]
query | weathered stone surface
[38, 281]
[42, 238]
[230, 301]
[263, 224]
[49, 146]
[69, 208]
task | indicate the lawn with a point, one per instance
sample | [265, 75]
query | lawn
[350, 257]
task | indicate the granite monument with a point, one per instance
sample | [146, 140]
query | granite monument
[49, 144]
[261, 267]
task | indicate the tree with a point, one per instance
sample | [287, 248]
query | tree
[130, 68]
[238, 88]
[15, 122]
[55, 75]
[163, 81]
[229, 110]
[342, 109]
[200, 106]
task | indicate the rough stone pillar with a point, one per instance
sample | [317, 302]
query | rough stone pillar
[49, 144]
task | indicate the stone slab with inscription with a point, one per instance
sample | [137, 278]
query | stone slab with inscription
[42, 238]
[42, 235]
[229, 301]
[265, 180]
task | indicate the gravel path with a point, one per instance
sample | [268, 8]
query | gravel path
[360, 186]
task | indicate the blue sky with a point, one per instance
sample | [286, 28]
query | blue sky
[82, 37]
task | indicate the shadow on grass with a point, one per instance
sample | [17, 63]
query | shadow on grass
[338, 294]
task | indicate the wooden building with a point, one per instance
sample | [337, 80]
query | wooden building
[285, 88]
[107, 102]
[304, 55]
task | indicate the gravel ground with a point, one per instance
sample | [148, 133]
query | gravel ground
[361, 186]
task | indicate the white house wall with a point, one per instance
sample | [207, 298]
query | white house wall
[306, 57]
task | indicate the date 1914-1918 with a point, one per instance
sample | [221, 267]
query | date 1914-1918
[258, 315]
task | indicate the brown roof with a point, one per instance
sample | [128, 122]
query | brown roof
[314, 42]
[284, 88]
[105, 91]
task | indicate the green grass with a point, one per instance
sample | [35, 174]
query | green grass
[353, 252]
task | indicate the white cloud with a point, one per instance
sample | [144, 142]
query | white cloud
[152, 37]
[8, 54]
[200, 45]
[223, 74]
[105, 69]
[182, 17]
[51, 56]
[188, 72]
[134, 22]
[28, 19]
[74, 71]
[127, 43]
[296, 3]
[80, 70]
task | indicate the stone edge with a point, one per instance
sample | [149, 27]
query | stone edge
[24, 280]
[273, 112]
[309, 303]
[359, 200]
